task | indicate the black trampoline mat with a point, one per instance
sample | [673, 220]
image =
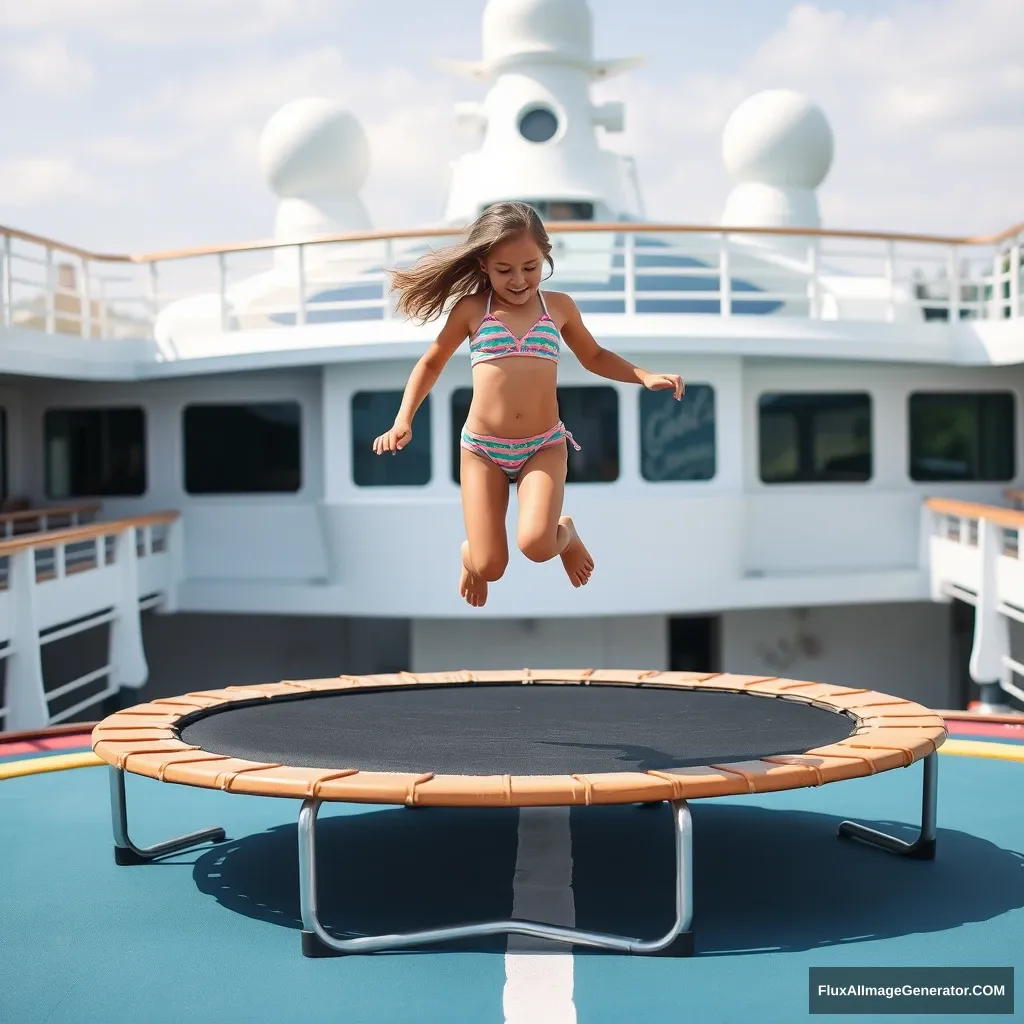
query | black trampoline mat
[516, 729]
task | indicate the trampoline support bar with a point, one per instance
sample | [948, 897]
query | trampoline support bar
[126, 852]
[316, 942]
[922, 848]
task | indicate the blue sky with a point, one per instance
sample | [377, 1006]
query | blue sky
[134, 126]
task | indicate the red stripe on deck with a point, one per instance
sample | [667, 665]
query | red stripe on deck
[13, 749]
[44, 743]
[1000, 731]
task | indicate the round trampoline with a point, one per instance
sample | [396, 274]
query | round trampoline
[517, 739]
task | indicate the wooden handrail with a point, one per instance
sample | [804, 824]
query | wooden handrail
[43, 734]
[976, 716]
[75, 534]
[582, 227]
[38, 513]
[1011, 518]
[560, 227]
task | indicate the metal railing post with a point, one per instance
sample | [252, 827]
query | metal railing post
[5, 284]
[51, 293]
[813, 284]
[629, 272]
[890, 280]
[724, 276]
[954, 285]
[997, 286]
[85, 302]
[104, 324]
[389, 258]
[154, 291]
[300, 315]
[222, 268]
[1015, 279]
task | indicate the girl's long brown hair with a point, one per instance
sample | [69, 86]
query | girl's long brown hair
[454, 272]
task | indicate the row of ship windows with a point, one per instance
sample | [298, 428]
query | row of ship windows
[256, 448]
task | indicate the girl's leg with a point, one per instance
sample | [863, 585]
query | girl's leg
[543, 531]
[485, 489]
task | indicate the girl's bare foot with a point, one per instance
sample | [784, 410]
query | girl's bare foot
[576, 559]
[471, 586]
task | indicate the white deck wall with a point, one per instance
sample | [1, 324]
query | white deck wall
[247, 539]
[690, 547]
[902, 649]
[623, 642]
[854, 527]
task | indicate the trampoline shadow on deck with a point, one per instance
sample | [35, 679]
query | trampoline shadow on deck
[768, 880]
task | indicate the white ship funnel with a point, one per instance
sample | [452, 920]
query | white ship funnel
[538, 123]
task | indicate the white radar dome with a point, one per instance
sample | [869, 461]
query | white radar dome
[313, 146]
[778, 137]
[516, 28]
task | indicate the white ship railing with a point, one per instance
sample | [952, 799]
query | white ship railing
[38, 520]
[973, 554]
[626, 268]
[57, 584]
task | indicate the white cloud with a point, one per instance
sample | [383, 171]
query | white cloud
[927, 105]
[412, 149]
[231, 93]
[163, 22]
[48, 66]
[212, 120]
[34, 181]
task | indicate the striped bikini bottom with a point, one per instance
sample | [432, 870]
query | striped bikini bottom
[512, 453]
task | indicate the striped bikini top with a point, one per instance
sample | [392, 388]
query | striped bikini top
[493, 340]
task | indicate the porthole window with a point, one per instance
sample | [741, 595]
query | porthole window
[538, 124]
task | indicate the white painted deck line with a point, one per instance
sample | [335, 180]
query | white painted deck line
[538, 974]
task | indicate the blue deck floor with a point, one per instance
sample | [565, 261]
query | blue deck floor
[213, 934]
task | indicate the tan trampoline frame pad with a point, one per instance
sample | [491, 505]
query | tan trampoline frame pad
[888, 733]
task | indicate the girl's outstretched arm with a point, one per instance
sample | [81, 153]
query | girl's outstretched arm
[424, 376]
[602, 362]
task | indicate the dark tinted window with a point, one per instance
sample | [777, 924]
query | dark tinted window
[3, 453]
[962, 436]
[244, 448]
[677, 439]
[815, 438]
[95, 452]
[373, 413]
[461, 397]
[590, 414]
[558, 209]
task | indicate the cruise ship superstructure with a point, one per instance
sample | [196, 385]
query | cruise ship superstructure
[784, 519]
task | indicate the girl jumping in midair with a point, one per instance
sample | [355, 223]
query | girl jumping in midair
[513, 431]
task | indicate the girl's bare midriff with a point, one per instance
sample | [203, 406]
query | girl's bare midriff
[515, 396]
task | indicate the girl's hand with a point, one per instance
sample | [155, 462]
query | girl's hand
[661, 381]
[394, 440]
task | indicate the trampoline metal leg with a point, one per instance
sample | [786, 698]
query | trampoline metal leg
[125, 851]
[922, 848]
[317, 942]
